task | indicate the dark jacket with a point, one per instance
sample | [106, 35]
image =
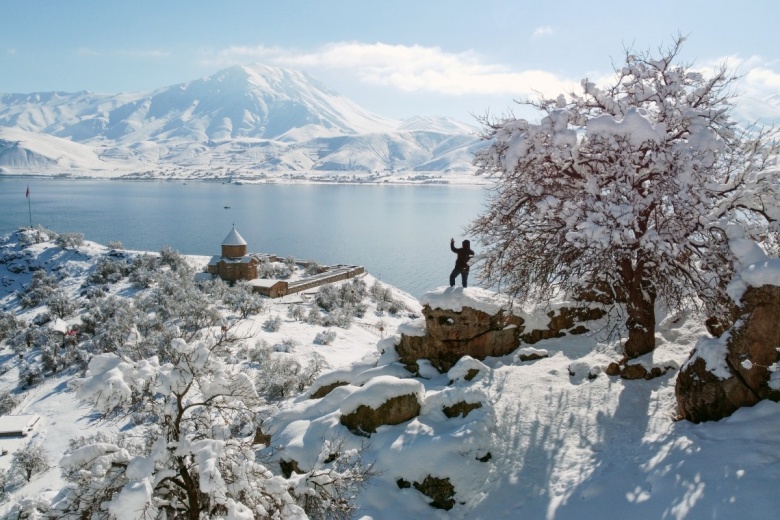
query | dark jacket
[464, 255]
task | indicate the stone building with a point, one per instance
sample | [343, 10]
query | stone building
[235, 263]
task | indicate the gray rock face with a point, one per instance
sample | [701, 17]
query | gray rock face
[751, 349]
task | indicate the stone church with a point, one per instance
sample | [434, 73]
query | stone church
[235, 263]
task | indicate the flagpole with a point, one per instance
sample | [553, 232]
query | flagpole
[29, 206]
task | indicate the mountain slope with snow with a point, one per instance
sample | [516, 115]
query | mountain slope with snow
[247, 118]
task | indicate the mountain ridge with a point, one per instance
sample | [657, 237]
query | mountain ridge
[249, 118]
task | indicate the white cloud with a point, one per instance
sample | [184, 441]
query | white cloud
[11, 51]
[149, 53]
[132, 53]
[544, 30]
[411, 68]
[758, 86]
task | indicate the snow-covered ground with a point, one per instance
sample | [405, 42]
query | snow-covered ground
[561, 445]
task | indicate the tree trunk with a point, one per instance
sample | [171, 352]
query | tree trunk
[640, 308]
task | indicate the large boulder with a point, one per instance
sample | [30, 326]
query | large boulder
[460, 322]
[735, 370]
[384, 400]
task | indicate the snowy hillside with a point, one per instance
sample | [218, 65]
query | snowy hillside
[554, 438]
[251, 119]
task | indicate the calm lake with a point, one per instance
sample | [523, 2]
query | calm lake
[400, 234]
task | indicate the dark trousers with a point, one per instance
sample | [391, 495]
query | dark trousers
[464, 276]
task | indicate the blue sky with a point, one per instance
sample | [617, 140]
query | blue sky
[397, 58]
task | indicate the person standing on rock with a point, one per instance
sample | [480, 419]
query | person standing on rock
[462, 263]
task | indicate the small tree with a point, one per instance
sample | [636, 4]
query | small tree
[70, 240]
[30, 460]
[296, 312]
[7, 402]
[633, 190]
[9, 325]
[243, 300]
[5, 479]
[174, 259]
[41, 287]
[273, 324]
[191, 454]
[60, 304]
[186, 462]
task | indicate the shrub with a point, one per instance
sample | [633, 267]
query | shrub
[281, 376]
[70, 240]
[109, 270]
[115, 245]
[286, 345]
[325, 337]
[94, 291]
[60, 304]
[385, 302]
[7, 402]
[313, 268]
[240, 298]
[173, 259]
[348, 295]
[26, 338]
[338, 318]
[314, 317]
[296, 312]
[41, 287]
[9, 325]
[273, 324]
[36, 235]
[29, 374]
[142, 278]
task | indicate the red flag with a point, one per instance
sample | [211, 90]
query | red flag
[27, 195]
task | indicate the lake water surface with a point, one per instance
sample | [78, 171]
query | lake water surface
[400, 234]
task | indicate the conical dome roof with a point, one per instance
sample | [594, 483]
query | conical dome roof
[234, 239]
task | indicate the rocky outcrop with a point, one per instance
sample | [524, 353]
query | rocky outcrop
[322, 391]
[734, 370]
[479, 323]
[637, 370]
[461, 409]
[565, 320]
[365, 419]
[439, 489]
[454, 334]
[384, 400]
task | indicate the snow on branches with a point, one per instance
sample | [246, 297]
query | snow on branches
[191, 452]
[629, 189]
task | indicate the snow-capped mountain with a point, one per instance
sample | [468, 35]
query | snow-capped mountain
[248, 118]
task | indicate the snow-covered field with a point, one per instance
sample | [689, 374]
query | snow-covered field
[549, 442]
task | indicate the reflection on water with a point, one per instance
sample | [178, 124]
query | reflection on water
[398, 233]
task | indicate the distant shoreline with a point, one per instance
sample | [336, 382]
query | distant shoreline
[291, 178]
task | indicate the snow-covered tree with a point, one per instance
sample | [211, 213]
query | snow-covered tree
[29, 460]
[70, 240]
[41, 287]
[190, 456]
[192, 449]
[242, 299]
[9, 325]
[632, 189]
[60, 304]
